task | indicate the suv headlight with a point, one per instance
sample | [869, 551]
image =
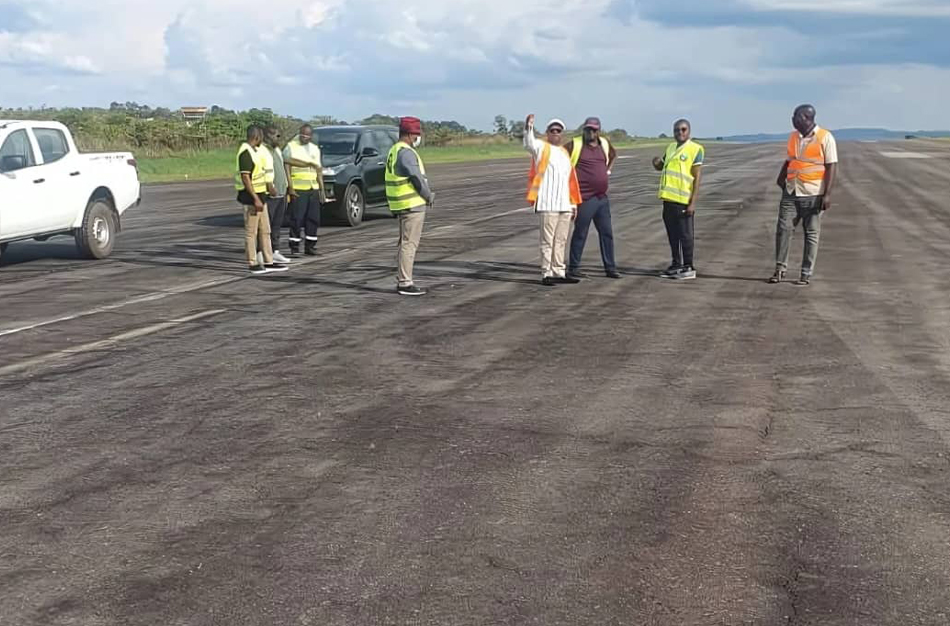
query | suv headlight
[333, 171]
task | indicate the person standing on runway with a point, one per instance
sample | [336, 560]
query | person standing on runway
[555, 193]
[679, 186]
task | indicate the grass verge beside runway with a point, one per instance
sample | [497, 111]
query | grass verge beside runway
[219, 164]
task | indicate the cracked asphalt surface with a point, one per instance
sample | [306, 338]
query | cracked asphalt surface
[181, 444]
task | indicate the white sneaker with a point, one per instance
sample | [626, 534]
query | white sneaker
[280, 258]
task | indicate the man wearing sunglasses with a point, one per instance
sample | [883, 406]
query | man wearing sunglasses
[592, 156]
[277, 184]
[679, 185]
[555, 193]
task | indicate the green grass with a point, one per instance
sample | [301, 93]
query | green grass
[219, 164]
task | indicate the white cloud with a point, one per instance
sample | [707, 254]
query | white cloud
[462, 59]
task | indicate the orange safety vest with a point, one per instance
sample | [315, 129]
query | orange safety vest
[807, 165]
[536, 175]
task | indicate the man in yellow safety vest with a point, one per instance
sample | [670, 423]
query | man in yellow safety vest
[250, 181]
[592, 156]
[408, 195]
[302, 159]
[679, 186]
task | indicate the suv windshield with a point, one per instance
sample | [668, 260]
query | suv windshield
[337, 141]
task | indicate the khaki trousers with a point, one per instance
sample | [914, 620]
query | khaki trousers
[555, 228]
[410, 233]
[257, 231]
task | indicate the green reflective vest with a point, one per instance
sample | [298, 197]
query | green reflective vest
[579, 144]
[676, 180]
[258, 182]
[400, 193]
[303, 178]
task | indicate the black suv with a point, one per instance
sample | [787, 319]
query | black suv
[354, 167]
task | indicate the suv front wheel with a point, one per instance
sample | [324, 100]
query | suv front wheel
[351, 206]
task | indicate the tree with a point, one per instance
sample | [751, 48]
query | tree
[516, 129]
[501, 125]
[663, 136]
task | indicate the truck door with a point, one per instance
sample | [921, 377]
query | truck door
[63, 178]
[23, 186]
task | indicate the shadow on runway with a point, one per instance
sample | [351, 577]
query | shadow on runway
[19, 252]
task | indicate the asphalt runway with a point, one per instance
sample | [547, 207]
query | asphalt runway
[183, 444]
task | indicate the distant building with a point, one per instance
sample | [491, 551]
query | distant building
[194, 114]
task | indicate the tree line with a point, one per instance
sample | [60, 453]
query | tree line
[161, 131]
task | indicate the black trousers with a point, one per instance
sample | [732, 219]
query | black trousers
[276, 209]
[304, 219]
[679, 228]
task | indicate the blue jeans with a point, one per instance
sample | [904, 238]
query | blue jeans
[596, 210]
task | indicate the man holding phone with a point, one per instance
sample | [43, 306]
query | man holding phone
[679, 186]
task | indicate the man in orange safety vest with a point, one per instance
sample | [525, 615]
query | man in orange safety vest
[554, 192]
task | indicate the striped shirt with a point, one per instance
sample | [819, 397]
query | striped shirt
[554, 196]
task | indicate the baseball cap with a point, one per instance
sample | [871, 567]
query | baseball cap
[555, 122]
[592, 122]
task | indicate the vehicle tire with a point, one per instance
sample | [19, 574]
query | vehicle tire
[352, 205]
[96, 237]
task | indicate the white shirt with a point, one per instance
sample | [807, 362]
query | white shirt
[802, 188]
[554, 196]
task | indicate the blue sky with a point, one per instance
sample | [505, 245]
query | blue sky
[731, 66]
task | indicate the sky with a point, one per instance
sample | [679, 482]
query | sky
[730, 66]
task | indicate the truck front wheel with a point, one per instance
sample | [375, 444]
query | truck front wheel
[96, 237]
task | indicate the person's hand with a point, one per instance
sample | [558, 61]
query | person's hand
[825, 204]
[258, 205]
[690, 209]
[291, 194]
[322, 196]
[658, 163]
[431, 201]
[529, 122]
[573, 213]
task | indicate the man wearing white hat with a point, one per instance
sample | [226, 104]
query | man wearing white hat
[555, 193]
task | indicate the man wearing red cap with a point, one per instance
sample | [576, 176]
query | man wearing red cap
[592, 157]
[555, 193]
[408, 194]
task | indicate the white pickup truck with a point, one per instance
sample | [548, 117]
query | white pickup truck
[47, 188]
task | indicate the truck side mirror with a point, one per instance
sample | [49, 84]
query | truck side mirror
[370, 152]
[12, 162]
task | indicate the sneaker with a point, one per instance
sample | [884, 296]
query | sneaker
[613, 274]
[685, 273]
[294, 251]
[576, 274]
[258, 269]
[310, 252]
[671, 271]
[566, 280]
[804, 281]
[548, 281]
[411, 290]
[276, 267]
[280, 258]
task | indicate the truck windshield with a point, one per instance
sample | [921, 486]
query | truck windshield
[337, 141]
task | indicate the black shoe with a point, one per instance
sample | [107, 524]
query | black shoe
[276, 267]
[310, 252]
[411, 290]
[576, 274]
[777, 277]
[258, 269]
[671, 271]
[294, 250]
[548, 281]
[613, 274]
[566, 280]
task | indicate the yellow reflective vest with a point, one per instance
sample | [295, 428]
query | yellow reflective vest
[258, 182]
[579, 145]
[676, 179]
[303, 178]
[400, 193]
